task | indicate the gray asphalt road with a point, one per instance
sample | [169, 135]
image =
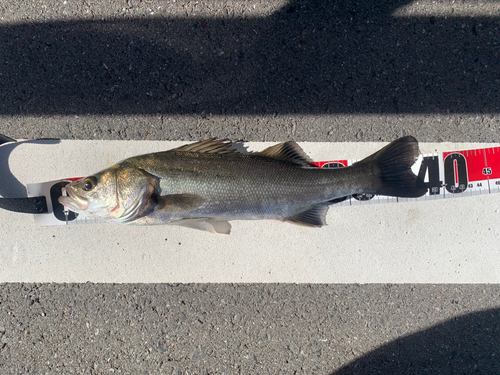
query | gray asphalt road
[249, 329]
[267, 70]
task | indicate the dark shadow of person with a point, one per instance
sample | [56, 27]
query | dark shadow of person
[468, 344]
[311, 56]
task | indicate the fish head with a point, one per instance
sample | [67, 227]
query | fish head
[116, 194]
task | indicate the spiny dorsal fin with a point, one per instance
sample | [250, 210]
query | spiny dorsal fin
[314, 217]
[209, 146]
[288, 151]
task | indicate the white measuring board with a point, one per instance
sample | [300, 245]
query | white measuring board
[429, 240]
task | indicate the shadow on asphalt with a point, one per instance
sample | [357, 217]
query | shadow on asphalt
[468, 344]
[310, 57]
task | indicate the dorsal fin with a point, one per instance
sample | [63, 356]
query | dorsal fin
[288, 151]
[209, 146]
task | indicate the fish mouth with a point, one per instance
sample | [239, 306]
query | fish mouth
[73, 202]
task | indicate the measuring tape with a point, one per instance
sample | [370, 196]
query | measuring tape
[450, 174]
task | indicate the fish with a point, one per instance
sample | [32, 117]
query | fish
[206, 184]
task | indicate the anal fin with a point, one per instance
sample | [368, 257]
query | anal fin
[313, 217]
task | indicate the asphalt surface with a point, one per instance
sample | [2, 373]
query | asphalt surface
[249, 329]
[260, 71]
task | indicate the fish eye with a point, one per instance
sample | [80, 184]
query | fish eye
[89, 183]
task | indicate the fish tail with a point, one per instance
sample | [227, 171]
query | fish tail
[391, 169]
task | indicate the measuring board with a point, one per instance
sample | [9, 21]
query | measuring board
[449, 174]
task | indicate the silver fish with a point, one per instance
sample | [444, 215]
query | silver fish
[205, 184]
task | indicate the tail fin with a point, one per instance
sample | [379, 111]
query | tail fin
[392, 167]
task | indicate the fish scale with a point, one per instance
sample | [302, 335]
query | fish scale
[260, 191]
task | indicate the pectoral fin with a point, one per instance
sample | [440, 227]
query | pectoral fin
[179, 202]
[314, 217]
[205, 224]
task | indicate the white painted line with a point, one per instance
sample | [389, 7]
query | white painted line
[433, 241]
